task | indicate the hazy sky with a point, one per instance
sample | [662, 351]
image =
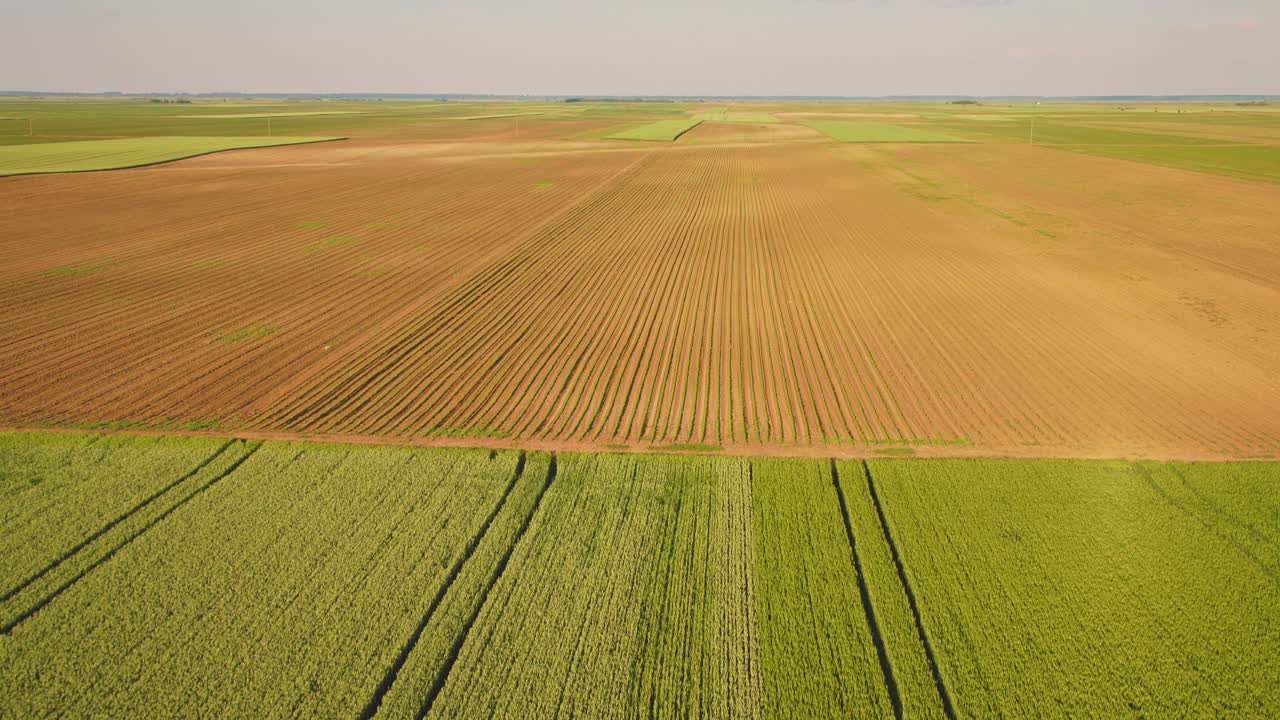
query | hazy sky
[678, 47]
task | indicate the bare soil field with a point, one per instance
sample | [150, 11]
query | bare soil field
[759, 290]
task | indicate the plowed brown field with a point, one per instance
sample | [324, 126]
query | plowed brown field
[760, 290]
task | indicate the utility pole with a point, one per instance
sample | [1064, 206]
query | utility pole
[1033, 129]
[30, 127]
[268, 127]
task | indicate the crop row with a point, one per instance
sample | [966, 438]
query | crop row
[660, 310]
[126, 316]
[659, 130]
[806, 294]
[758, 297]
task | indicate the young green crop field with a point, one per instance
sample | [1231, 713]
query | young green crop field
[146, 576]
[858, 131]
[660, 131]
[86, 155]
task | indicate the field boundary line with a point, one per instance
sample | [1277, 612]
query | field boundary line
[938, 682]
[1208, 525]
[443, 675]
[8, 595]
[37, 607]
[886, 667]
[842, 451]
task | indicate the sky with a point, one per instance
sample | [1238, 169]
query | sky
[654, 47]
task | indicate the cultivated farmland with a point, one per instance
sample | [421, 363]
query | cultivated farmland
[281, 579]
[606, 409]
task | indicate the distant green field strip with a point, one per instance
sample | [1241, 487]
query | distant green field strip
[1251, 162]
[1057, 133]
[1088, 135]
[241, 116]
[614, 111]
[660, 131]
[493, 117]
[807, 585]
[865, 131]
[88, 155]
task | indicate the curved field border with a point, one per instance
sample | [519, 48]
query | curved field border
[122, 161]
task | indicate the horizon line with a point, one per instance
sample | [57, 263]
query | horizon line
[612, 96]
